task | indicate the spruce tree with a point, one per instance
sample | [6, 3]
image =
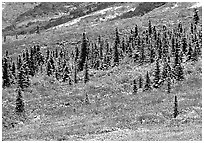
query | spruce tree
[87, 99]
[156, 75]
[150, 28]
[49, 68]
[19, 102]
[23, 78]
[86, 75]
[168, 85]
[115, 52]
[190, 52]
[147, 85]
[175, 114]
[140, 82]
[83, 52]
[195, 16]
[6, 72]
[75, 75]
[134, 86]
[66, 74]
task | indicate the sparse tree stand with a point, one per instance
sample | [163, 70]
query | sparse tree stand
[175, 114]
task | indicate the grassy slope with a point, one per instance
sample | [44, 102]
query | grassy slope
[114, 113]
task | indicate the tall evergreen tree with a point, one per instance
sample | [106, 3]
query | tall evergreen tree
[147, 85]
[6, 72]
[195, 16]
[83, 52]
[134, 86]
[156, 75]
[150, 28]
[140, 82]
[21, 78]
[175, 107]
[168, 85]
[86, 74]
[19, 102]
[115, 52]
[66, 74]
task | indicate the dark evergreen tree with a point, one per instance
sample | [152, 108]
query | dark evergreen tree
[140, 82]
[49, 68]
[184, 45]
[86, 99]
[66, 74]
[115, 52]
[38, 29]
[147, 85]
[76, 54]
[86, 74]
[19, 102]
[136, 31]
[23, 79]
[13, 70]
[156, 75]
[190, 52]
[175, 114]
[83, 53]
[6, 72]
[195, 16]
[75, 74]
[150, 28]
[168, 85]
[134, 86]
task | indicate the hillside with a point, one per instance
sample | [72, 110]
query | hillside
[102, 72]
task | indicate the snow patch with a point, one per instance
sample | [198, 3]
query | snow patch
[176, 5]
[198, 4]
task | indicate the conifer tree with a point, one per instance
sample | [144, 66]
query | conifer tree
[49, 68]
[86, 74]
[150, 28]
[168, 85]
[83, 52]
[6, 72]
[23, 79]
[66, 74]
[140, 82]
[75, 75]
[76, 54]
[87, 99]
[136, 31]
[115, 52]
[195, 16]
[13, 70]
[19, 102]
[134, 86]
[156, 75]
[38, 29]
[175, 114]
[147, 85]
[190, 52]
